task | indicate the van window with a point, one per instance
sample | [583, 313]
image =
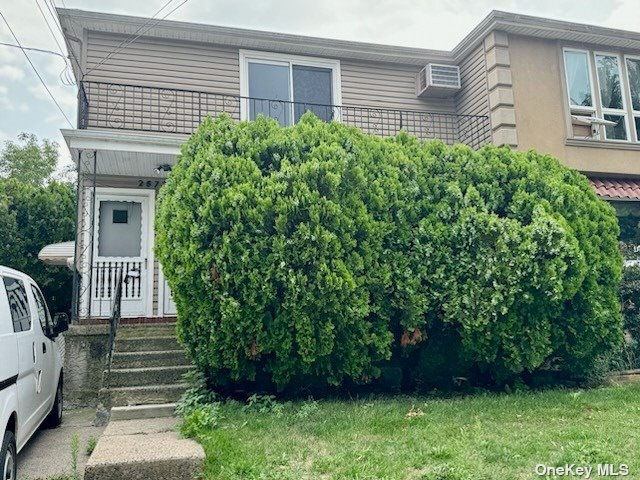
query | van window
[43, 311]
[18, 304]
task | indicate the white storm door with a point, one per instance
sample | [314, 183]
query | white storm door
[121, 244]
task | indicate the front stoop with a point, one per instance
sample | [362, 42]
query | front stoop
[146, 449]
[147, 368]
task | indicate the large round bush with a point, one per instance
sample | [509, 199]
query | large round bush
[319, 253]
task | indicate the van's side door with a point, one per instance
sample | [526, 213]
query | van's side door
[29, 362]
[8, 359]
[42, 330]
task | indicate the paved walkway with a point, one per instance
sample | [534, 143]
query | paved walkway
[48, 453]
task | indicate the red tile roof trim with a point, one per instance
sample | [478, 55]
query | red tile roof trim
[614, 188]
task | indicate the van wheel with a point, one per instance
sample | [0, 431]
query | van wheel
[8, 457]
[54, 419]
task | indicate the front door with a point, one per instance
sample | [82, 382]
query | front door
[121, 253]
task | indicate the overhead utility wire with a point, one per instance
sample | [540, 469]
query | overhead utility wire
[36, 70]
[122, 46]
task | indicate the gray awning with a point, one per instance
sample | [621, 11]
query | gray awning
[60, 254]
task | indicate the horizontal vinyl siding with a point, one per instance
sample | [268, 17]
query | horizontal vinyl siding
[386, 85]
[473, 98]
[194, 66]
[161, 63]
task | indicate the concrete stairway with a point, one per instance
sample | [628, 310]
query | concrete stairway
[147, 367]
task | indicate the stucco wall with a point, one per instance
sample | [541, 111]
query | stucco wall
[542, 118]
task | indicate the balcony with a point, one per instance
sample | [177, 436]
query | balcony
[165, 110]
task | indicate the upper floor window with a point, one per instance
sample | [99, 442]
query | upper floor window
[633, 72]
[579, 80]
[285, 87]
[609, 99]
[611, 96]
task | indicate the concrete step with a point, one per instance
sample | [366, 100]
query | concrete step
[137, 412]
[162, 358]
[146, 395]
[139, 377]
[146, 344]
[145, 449]
[147, 330]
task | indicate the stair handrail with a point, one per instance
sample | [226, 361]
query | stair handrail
[114, 320]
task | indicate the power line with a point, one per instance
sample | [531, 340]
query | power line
[52, 11]
[122, 46]
[36, 70]
[49, 27]
[41, 50]
[64, 76]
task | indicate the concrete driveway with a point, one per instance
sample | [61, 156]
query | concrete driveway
[48, 453]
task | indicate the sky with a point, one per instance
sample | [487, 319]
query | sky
[436, 24]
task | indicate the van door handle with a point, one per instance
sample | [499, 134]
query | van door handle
[44, 348]
[33, 345]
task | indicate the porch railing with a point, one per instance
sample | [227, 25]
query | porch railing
[170, 110]
[106, 282]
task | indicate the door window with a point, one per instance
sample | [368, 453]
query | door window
[120, 229]
[43, 311]
[18, 304]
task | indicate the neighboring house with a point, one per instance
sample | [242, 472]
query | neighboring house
[566, 89]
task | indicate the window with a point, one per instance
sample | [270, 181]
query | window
[119, 229]
[285, 87]
[120, 216]
[43, 311]
[611, 96]
[633, 76]
[578, 73]
[18, 304]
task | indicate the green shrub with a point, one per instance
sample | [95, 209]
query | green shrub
[630, 298]
[200, 421]
[31, 217]
[319, 253]
[196, 395]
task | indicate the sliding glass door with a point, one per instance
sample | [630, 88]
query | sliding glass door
[286, 89]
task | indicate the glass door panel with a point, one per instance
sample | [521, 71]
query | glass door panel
[269, 92]
[312, 91]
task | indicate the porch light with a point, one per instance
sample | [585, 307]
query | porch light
[162, 168]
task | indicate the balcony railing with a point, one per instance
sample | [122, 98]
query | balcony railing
[168, 110]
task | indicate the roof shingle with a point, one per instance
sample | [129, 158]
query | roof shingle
[615, 188]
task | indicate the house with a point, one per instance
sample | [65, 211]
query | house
[562, 88]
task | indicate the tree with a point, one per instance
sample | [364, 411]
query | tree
[28, 160]
[318, 253]
[31, 217]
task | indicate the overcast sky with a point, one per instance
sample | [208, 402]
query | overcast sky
[439, 24]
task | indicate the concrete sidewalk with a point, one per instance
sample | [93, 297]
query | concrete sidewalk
[48, 453]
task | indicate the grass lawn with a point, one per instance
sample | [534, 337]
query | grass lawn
[483, 437]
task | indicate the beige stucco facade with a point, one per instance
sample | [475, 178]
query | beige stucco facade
[542, 116]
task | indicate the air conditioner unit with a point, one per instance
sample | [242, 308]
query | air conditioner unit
[437, 80]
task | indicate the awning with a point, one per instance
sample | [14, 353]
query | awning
[616, 188]
[123, 153]
[60, 254]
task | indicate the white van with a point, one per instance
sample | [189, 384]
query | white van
[31, 360]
